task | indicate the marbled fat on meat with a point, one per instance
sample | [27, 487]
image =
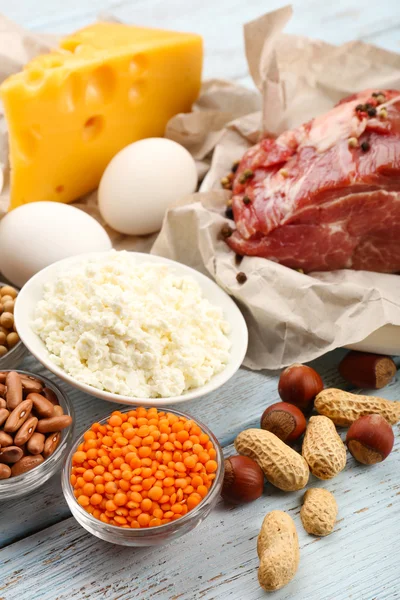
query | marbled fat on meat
[326, 195]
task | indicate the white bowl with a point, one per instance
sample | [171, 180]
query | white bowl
[32, 292]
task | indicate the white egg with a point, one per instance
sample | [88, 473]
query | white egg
[142, 181]
[38, 234]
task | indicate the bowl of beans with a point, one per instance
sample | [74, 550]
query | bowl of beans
[12, 350]
[36, 431]
[143, 476]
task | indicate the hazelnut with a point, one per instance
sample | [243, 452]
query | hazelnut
[285, 420]
[299, 385]
[370, 439]
[366, 370]
[243, 480]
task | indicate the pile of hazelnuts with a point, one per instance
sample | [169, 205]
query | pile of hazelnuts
[298, 387]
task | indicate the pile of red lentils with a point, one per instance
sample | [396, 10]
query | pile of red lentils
[143, 468]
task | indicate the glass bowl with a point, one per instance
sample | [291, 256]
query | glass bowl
[15, 356]
[27, 482]
[149, 536]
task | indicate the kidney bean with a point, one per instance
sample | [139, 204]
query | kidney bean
[26, 464]
[4, 414]
[31, 421]
[58, 411]
[11, 454]
[5, 471]
[54, 424]
[14, 390]
[35, 444]
[42, 406]
[25, 432]
[31, 385]
[18, 416]
[51, 444]
[5, 439]
[50, 395]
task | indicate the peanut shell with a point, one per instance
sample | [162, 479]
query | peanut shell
[343, 408]
[319, 511]
[278, 551]
[285, 468]
[323, 448]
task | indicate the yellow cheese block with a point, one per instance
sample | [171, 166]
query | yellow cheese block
[69, 112]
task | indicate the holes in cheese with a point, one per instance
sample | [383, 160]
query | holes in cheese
[93, 127]
[71, 45]
[137, 90]
[101, 85]
[34, 77]
[28, 142]
[72, 92]
[54, 63]
[138, 64]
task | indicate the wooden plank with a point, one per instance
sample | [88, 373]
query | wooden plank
[239, 404]
[218, 560]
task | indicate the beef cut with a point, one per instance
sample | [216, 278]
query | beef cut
[326, 195]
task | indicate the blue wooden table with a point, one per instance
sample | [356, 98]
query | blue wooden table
[46, 555]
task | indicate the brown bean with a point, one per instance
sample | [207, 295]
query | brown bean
[5, 471]
[50, 395]
[3, 390]
[5, 439]
[10, 454]
[58, 411]
[3, 351]
[53, 424]
[35, 444]
[25, 432]
[14, 390]
[51, 444]
[43, 407]
[3, 339]
[8, 306]
[18, 416]
[26, 464]
[8, 290]
[3, 403]
[3, 376]
[31, 385]
[4, 414]
[12, 339]
[7, 320]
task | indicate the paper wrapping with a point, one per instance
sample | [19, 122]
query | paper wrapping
[291, 317]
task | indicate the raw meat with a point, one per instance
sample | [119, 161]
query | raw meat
[326, 195]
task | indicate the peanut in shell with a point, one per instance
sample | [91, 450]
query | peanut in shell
[343, 408]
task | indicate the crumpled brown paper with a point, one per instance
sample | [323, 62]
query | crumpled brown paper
[291, 317]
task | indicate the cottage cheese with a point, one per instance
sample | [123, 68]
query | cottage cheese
[136, 330]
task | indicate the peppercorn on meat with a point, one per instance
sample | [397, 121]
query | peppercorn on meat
[326, 195]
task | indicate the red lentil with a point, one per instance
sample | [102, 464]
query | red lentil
[143, 468]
